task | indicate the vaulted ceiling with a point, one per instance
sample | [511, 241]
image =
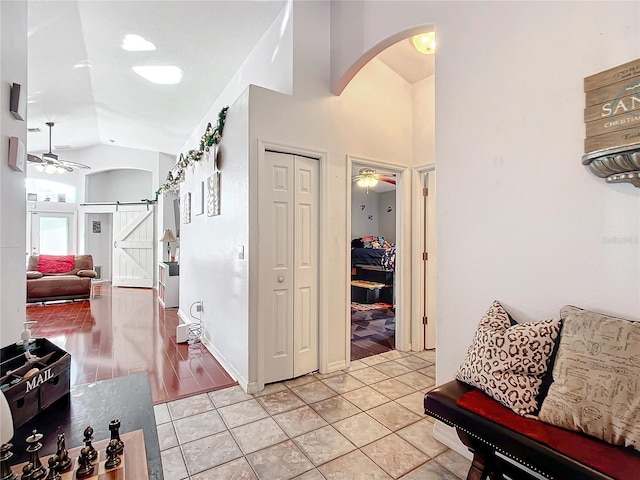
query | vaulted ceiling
[82, 79]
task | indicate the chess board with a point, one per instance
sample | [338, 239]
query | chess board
[133, 465]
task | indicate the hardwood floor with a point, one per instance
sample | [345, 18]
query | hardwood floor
[123, 331]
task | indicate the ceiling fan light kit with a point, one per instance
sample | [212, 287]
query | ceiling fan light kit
[50, 163]
[368, 177]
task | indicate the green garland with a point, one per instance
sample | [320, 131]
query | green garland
[211, 136]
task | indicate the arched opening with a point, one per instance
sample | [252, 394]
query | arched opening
[395, 70]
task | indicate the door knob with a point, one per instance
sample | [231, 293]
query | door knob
[280, 279]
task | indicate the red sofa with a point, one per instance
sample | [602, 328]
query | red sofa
[51, 285]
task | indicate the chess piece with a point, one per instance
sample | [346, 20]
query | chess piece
[85, 467]
[92, 454]
[38, 470]
[54, 463]
[64, 462]
[5, 469]
[114, 428]
[26, 472]
[113, 460]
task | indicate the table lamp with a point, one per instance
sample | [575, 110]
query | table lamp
[168, 237]
[6, 434]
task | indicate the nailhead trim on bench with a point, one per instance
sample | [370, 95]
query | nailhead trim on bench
[494, 447]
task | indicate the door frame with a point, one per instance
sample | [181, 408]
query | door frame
[73, 220]
[403, 241]
[418, 275]
[256, 327]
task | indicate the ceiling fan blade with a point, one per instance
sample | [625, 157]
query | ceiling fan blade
[66, 163]
[392, 181]
[34, 159]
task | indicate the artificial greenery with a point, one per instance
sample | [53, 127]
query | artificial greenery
[211, 136]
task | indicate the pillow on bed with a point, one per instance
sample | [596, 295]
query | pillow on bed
[373, 241]
[357, 243]
[508, 361]
[596, 378]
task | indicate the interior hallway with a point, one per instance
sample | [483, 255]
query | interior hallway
[123, 331]
[366, 423]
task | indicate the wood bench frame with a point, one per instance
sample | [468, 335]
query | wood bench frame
[499, 451]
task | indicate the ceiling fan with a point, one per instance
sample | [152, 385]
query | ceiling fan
[50, 163]
[368, 177]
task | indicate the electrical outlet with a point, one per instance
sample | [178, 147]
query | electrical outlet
[199, 306]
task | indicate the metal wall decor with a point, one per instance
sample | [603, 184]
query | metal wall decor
[186, 208]
[213, 194]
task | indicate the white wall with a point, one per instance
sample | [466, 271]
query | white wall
[121, 185]
[361, 225]
[371, 120]
[519, 218]
[424, 117]
[210, 269]
[386, 219]
[13, 69]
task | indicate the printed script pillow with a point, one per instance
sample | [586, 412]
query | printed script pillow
[508, 361]
[596, 378]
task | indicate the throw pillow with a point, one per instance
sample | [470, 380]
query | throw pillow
[596, 378]
[31, 274]
[508, 361]
[55, 263]
[87, 273]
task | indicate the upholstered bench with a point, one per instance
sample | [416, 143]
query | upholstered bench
[530, 402]
[505, 443]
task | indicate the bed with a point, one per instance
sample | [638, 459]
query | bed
[364, 252]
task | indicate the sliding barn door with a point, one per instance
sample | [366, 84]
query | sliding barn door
[289, 202]
[133, 253]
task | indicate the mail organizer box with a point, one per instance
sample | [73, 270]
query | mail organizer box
[30, 386]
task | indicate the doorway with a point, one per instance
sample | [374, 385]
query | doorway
[289, 229]
[374, 285]
[51, 233]
[98, 240]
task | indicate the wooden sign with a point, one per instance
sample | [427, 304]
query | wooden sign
[612, 113]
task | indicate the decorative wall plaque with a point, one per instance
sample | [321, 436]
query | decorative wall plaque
[612, 124]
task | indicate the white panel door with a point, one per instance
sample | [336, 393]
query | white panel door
[289, 265]
[133, 233]
[276, 261]
[305, 329]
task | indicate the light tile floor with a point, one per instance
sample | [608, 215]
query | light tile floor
[366, 422]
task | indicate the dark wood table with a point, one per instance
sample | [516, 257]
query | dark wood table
[96, 404]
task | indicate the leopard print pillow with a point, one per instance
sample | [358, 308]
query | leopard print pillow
[507, 361]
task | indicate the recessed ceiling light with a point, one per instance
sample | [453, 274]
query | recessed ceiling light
[135, 43]
[161, 75]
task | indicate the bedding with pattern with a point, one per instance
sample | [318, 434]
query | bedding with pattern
[373, 250]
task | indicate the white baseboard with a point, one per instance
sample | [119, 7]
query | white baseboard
[447, 435]
[244, 384]
[335, 366]
[183, 317]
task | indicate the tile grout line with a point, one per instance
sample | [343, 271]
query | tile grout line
[289, 386]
